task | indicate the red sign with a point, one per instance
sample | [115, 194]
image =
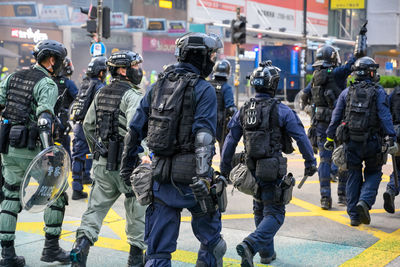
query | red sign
[219, 5]
[153, 44]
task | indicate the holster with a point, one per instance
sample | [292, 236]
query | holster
[33, 137]
[18, 136]
[283, 190]
[161, 167]
[218, 192]
[112, 157]
[4, 136]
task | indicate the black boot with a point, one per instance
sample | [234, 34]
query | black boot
[326, 203]
[76, 195]
[363, 211]
[9, 258]
[87, 180]
[136, 258]
[245, 252]
[388, 198]
[80, 251]
[52, 251]
[265, 259]
[342, 200]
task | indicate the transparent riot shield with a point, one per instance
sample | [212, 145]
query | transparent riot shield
[45, 179]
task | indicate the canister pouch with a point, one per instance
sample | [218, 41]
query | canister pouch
[267, 169]
[282, 166]
[33, 137]
[18, 136]
[183, 168]
[161, 167]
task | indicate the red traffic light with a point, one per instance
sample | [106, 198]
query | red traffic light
[296, 48]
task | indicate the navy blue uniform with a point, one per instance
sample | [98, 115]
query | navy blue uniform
[227, 93]
[357, 152]
[164, 214]
[80, 165]
[340, 75]
[268, 217]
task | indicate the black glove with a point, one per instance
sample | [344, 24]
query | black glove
[231, 110]
[329, 144]
[310, 171]
[128, 162]
[200, 188]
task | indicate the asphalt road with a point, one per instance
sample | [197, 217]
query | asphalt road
[309, 236]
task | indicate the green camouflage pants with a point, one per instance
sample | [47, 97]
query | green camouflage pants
[13, 172]
[107, 188]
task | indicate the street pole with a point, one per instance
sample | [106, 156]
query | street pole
[237, 65]
[99, 20]
[304, 50]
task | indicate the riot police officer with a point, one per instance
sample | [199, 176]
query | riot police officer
[391, 190]
[67, 92]
[364, 117]
[27, 98]
[225, 102]
[181, 113]
[81, 166]
[105, 126]
[329, 79]
[264, 158]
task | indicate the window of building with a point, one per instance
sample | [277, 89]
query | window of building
[150, 2]
[179, 4]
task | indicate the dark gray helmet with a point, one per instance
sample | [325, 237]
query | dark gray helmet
[265, 78]
[50, 48]
[96, 65]
[327, 56]
[222, 69]
[197, 48]
[365, 68]
[126, 59]
[67, 67]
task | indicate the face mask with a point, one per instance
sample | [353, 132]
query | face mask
[207, 69]
[134, 75]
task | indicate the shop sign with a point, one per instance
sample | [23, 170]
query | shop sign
[18, 10]
[176, 26]
[54, 13]
[156, 25]
[158, 45]
[347, 4]
[36, 36]
[136, 23]
[117, 20]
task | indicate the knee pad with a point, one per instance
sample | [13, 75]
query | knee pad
[218, 252]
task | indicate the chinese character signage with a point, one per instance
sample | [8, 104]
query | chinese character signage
[347, 4]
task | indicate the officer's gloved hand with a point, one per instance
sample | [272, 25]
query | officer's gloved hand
[310, 171]
[329, 144]
[201, 188]
[232, 110]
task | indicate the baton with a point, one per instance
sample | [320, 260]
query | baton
[302, 181]
[396, 177]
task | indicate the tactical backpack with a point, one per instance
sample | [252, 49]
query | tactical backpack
[217, 84]
[172, 114]
[84, 99]
[324, 92]
[361, 114]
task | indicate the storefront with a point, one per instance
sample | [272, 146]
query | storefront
[21, 41]
[157, 52]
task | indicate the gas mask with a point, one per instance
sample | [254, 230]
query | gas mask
[134, 75]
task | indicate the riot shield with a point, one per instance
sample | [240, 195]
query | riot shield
[45, 179]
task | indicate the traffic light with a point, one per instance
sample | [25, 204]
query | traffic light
[238, 31]
[106, 22]
[91, 23]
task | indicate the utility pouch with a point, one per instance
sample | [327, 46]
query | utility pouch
[4, 136]
[161, 135]
[142, 184]
[267, 169]
[112, 156]
[243, 179]
[282, 166]
[183, 168]
[323, 114]
[342, 133]
[257, 144]
[18, 136]
[160, 167]
[32, 137]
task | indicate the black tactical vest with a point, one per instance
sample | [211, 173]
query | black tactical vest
[108, 111]
[361, 113]
[20, 95]
[217, 84]
[84, 99]
[64, 98]
[324, 93]
[172, 114]
[395, 105]
[261, 131]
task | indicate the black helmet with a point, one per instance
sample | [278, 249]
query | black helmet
[96, 65]
[222, 69]
[196, 48]
[265, 78]
[50, 48]
[126, 59]
[67, 67]
[327, 56]
[365, 68]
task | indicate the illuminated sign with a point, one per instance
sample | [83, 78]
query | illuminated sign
[347, 4]
[165, 4]
[176, 26]
[156, 25]
[36, 36]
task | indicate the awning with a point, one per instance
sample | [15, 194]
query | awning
[7, 53]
